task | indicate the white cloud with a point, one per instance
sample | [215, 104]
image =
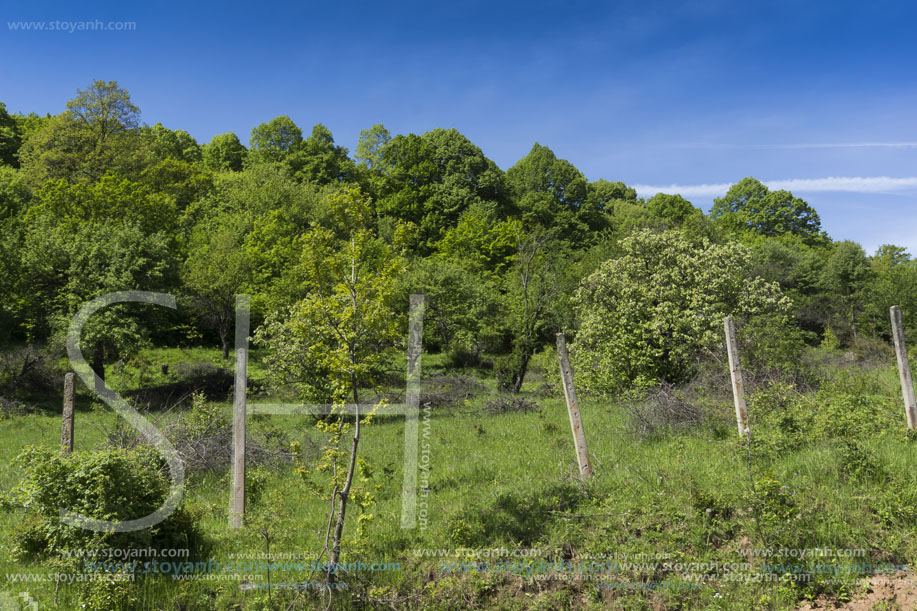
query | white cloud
[849, 184]
[847, 145]
[805, 145]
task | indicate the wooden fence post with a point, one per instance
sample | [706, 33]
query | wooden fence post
[243, 305]
[735, 371]
[576, 422]
[66, 433]
[904, 368]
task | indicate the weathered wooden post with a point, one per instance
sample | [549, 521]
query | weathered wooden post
[735, 370]
[66, 433]
[904, 368]
[243, 305]
[576, 422]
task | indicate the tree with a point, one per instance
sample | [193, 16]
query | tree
[94, 135]
[481, 242]
[604, 200]
[889, 256]
[797, 269]
[894, 283]
[274, 140]
[750, 206]
[164, 143]
[551, 194]
[14, 193]
[82, 240]
[111, 199]
[371, 146]
[224, 153]
[181, 181]
[318, 160]
[105, 110]
[430, 180]
[216, 270]
[648, 315]
[64, 265]
[338, 339]
[533, 283]
[462, 308]
[672, 208]
[10, 138]
[845, 282]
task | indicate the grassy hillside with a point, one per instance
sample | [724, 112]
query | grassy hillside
[681, 513]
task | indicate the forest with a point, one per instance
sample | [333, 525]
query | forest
[330, 244]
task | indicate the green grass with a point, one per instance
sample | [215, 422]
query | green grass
[509, 481]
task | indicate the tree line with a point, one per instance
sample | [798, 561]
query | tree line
[330, 244]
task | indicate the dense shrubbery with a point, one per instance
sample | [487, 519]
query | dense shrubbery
[106, 485]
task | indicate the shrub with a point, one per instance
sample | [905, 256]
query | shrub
[508, 403]
[202, 436]
[108, 485]
[448, 390]
[505, 368]
[665, 408]
[26, 369]
[460, 357]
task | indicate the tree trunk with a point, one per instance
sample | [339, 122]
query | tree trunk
[519, 378]
[224, 342]
[98, 365]
[344, 494]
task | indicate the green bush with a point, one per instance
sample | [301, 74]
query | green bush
[108, 485]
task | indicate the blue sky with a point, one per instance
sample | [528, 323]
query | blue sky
[677, 96]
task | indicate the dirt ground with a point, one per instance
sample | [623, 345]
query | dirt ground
[885, 593]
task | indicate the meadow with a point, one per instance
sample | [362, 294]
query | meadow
[680, 514]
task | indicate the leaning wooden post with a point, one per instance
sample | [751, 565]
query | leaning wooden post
[735, 370]
[66, 433]
[576, 422]
[904, 368]
[243, 305]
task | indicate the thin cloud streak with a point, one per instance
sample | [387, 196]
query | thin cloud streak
[848, 184]
[804, 145]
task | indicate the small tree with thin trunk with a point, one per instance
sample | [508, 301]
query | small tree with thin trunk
[532, 288]
[216, 271]
[336, 341]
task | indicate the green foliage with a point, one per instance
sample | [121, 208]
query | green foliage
[648, 315]
[63, 266]
[10, 138]
[107, 485]
[371, 147]
[845, 281]
[797, 268]
[894, 283]
[224, 153]
[532, 302]
[672, 208]
[14, 194]
[111, 200]
[429, 180]
[751, 206]
[274, 140]
[549, 192]
[337, 337]
[216, 270]
[461, 309]
[317, 160]
[97, 133]
[164, 143]
[480, 242]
